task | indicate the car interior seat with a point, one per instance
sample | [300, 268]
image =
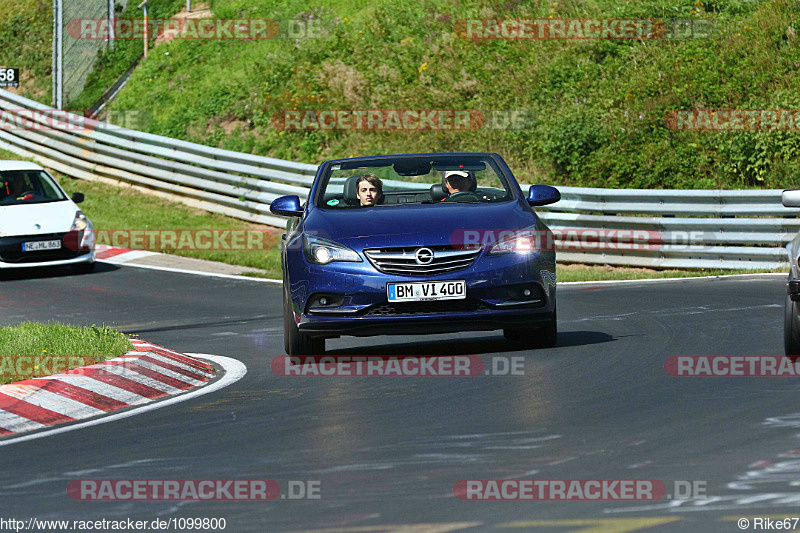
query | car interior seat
[437, 194]
[350, 192]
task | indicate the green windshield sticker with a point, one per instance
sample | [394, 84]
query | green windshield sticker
[333, 202]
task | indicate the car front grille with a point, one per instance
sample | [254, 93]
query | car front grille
[403, 261]
[426, 308]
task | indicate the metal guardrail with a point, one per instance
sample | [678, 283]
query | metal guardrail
[677, 228]
[680, 229]
[221, 181]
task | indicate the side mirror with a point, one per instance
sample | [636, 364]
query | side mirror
[543, 195]
[288, 206]
[78, 197]
[791, 198]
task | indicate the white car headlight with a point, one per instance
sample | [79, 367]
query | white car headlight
[82, 223]
[521, 242]
[322, 251]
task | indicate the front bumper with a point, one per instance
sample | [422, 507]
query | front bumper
[70, 252]
[366, 326]
[494, 299]
[84, 258]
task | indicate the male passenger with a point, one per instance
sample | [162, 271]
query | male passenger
[458, 181]
[369, 189]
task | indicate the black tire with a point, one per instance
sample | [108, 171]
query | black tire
[83, 268]
[294, 342]
[545, 336]
[791, 330]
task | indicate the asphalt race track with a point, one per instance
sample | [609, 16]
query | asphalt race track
[387, 451]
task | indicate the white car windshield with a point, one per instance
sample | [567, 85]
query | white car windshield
[28, 187]
[413, 180]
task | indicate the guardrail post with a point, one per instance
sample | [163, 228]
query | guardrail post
[143, 6]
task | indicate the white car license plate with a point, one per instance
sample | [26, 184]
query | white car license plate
[429, 290]
[40, 245]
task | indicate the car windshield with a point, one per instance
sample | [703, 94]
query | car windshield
[28, 187]
[413, 180]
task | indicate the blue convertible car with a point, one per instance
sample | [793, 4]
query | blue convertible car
[417, 244]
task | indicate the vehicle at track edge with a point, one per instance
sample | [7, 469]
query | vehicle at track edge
[791, 311]
[423, 258]
[40, 226]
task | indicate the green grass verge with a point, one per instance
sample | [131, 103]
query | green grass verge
[112, 63]
[33, 349]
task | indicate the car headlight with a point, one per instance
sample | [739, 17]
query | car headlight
[520, 242]
[322, 251]
[82, 224]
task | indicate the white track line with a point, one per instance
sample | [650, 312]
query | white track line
[201, 273]
[234, 371]
[121, 259]
[651, 280]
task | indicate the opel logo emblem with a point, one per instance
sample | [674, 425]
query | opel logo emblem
[37, 226]
[424, 256]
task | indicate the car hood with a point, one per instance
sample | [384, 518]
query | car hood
[414, 225]
[52, 217]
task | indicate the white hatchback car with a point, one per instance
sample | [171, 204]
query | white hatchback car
[40, 226]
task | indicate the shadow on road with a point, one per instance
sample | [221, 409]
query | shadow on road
[32, 273]
[476, 346]
[582, 338]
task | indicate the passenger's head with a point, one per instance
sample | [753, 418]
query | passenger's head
[369, 189]
[458, 180]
